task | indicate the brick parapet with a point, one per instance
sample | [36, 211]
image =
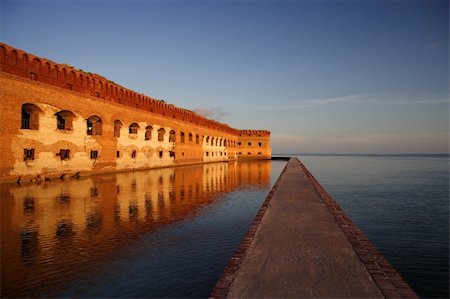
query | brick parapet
[20, 63]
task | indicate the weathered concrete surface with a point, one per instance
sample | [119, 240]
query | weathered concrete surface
[299, 251]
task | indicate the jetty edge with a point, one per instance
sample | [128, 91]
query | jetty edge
[301, 244]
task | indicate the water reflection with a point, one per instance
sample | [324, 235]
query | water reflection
[53, 231]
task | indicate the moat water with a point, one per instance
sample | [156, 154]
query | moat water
[158, 233]
[402, 204]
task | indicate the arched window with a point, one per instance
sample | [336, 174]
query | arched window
[259, 144]
[190, 137]
[197, 139]
[133, 128]
[182, 137]
[207, 140]
[117, 126]
[212, 140]
[30, 117]
[172, 136]
[94, 125]
[161, 133]
[64, 120]
[249, 144]
[148, 133]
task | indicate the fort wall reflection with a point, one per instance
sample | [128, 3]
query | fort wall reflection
[57, 229]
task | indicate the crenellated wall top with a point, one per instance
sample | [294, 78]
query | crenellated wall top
[21, 63]
[254, 133]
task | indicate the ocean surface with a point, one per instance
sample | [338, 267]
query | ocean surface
[170, 232]
[159, 233]
[402, 204]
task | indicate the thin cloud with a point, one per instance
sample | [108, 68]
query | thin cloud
[212, 113]
[433, 45]
[288, 138]
[364, 99]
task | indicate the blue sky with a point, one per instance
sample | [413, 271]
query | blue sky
[323, 76]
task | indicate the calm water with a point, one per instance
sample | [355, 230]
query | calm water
[402, 205]
[159, 233]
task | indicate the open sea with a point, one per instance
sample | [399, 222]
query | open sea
[402, 204]
[170, 232]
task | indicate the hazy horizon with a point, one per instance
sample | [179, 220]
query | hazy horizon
[367, 77]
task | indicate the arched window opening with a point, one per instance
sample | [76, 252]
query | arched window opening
[259, 144]
[160, 154]
[172, 154]
[64, 120]
[249, 144]
[133, 128]
[220, 143]
[161, 133]
[172, 136]
[182, 137]
[212, 141]
[133, 154]
[197, 139]
[117, 126]
[94, 125]
[190, 137]
[239, 143]
[207, 140]
[30, 117]
[148, 133]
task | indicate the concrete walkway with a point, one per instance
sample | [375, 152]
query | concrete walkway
[299, 251]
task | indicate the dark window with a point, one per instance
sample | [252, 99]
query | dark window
[160, 154]
[148, 133]
[133, 128]
[30, 117]
[182, 137]
[117, 154]
[94, 125]
[117, 127]
[25, 119]
[239, 143]
[172, 154]
[172, 136]
[133, 154]
[197, 139]
[94, 154]
[28, 154]
[190, 137]
[60, 122]
[249, 144]
[249, 153]
[259, 144]
[207, 154]
[161, 133]
[64, 154]
[259, 153]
